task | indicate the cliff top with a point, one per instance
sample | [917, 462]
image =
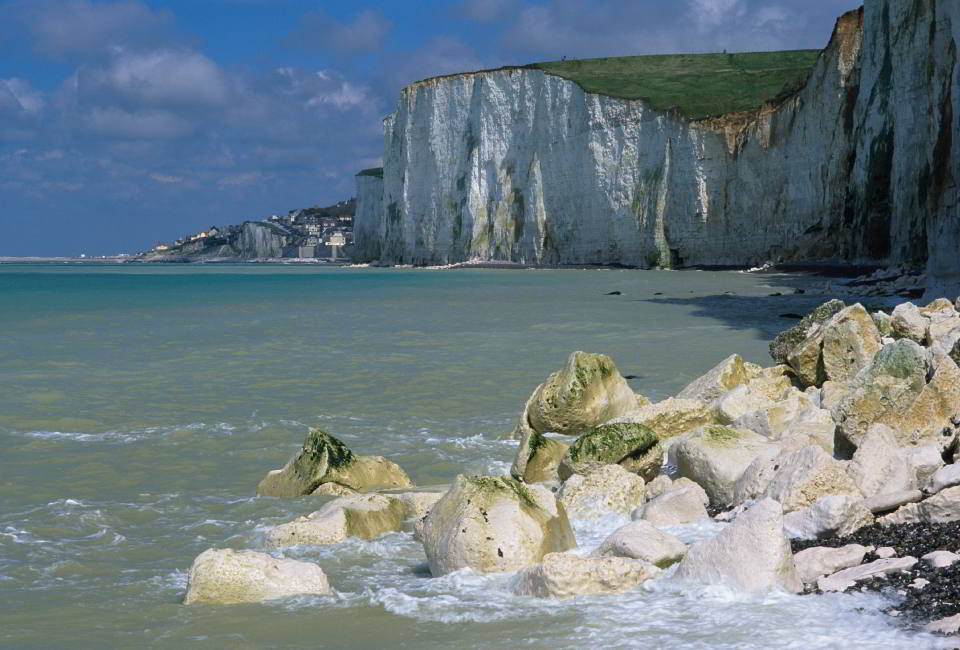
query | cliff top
[695, 85]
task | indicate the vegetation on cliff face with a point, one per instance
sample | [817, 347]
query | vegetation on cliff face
[695, 85]
[372, 171]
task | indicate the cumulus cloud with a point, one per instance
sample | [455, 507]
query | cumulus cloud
[18, 95]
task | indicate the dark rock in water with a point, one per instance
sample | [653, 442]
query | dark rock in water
[658, 293]
[799, 291]
[613, 293]
[791, 315]
[629, 376]
[938, 599]
[781, 346]
[775, 294]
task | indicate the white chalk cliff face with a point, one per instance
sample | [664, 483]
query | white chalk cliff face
[522, 166]
[366, 220]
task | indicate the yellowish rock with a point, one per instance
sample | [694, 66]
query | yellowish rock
[226, 577]
[561, 575]
[360, 515]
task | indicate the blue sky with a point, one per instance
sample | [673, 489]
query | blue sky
[126, 122]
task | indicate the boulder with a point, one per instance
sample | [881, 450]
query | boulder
[752, 554]
[226, 577]
[324, 459]
[587, 392]
[837, 348]
[417, 504]
[929, 418]
[561, 575]
[819, 561]
[624, 443]
[924, 461]
[670, 417]
[494, 524]
[946, 476]
[757, 394]
[890, 501]
[332, 490]
[359, 515]
[755, 479]
[662, 483]
[881, 392]
[672, 508]
[805, 475]
[786, 341]
[879, 465]
[724, 377]
[641, 540]
[908, 323]
[538, 458]
[940, 559]
[884, 323]
[942, 507]
[846, 578]
[646, 465]
[939, 305]
[609, 488]
[831, 514]
[716, 456]
[946, 625]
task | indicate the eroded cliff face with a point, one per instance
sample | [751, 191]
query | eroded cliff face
[367, 220]
[859, 166]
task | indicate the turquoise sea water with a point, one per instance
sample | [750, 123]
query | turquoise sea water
[140, 406]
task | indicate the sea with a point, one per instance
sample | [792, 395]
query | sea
[140, 405]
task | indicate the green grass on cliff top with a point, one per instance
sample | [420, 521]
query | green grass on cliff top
[695, 85]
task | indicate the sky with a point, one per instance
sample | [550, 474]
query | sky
[128, 122]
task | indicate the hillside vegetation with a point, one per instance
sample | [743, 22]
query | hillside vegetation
[695, 85]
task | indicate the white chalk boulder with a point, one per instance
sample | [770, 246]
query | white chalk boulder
[226, 577]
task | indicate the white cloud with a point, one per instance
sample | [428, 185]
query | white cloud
[149, 124]
[163, 77]
[19, 95]
[68, 28]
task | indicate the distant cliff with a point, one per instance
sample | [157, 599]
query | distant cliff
[859, 165]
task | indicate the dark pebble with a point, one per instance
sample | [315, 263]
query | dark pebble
[938, 599]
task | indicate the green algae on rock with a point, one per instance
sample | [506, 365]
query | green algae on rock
[607, 444]
[325, 459]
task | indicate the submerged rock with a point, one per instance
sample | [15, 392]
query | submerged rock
[681, 506]
[494, 524]
[751, 554]
[561, 575]
[225, 577]
[641, 540]
[359, 515]
[325, 459]
[623, 443]
[587, 392]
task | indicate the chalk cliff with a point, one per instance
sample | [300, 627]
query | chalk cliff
[859, 165]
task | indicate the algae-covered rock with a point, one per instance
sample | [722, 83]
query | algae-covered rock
[837, 348]
[358, 515]
[620, 443]
[881, 392]
[715, 457]
[670, 417]
[723, 377]
[933, 411]
[494, 524]
[538, 458]
[786, 341]
[587, 392]
[561, 575]
[325, 459]
[609, 488]
[226, 577]
[751, 554]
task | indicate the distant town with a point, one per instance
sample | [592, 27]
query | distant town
[316, 233]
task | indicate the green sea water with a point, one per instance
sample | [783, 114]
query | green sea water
[140, 406]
